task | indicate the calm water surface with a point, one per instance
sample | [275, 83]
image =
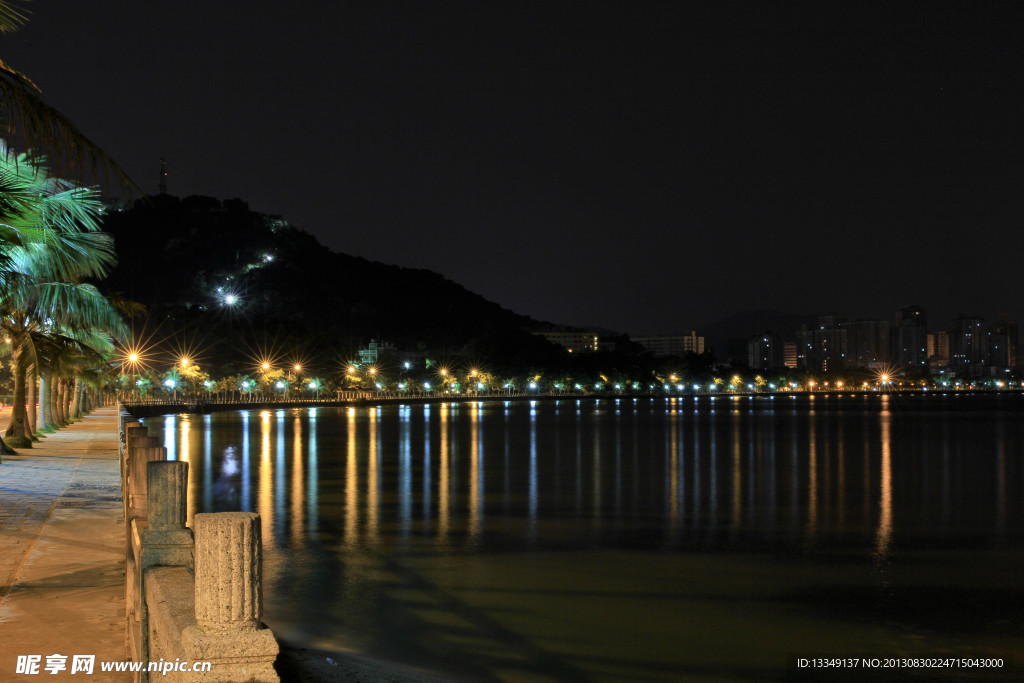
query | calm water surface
[630, 539]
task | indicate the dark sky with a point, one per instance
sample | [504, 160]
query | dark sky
[648, 167]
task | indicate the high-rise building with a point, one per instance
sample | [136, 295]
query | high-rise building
[822, 348]
[868, 344]
[910, 338]
[766, 351]
[938, 349]
[1003, 345]
[968, 345]
[789, 355]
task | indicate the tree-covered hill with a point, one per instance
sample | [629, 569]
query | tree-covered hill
[236, 280]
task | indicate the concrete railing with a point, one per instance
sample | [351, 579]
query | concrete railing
[189, 598]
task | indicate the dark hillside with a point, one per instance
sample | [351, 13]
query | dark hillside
[238, 276]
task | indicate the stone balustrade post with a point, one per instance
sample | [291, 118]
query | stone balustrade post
[136, 442]
[229, 599]
[133, 429]
[162, 540]
[124, 420]
[166, 541]
[229, 590]
[137, 478]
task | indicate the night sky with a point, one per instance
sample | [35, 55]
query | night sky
[645, 167]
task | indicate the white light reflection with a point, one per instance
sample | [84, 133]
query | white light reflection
[313, 484]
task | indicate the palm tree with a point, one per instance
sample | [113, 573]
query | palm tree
[49, 241]
[29, 122]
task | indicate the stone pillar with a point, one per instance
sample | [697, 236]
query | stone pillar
[229, 590]
[131, 430]
[126, 423]
[136, 442]
[229, 600]
[160, 541]
[166, 541]
[137, 478]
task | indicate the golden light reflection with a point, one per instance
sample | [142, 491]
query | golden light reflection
[298, 520]
[475, 472]
[266, 508]
[351, 491]
[193, 471]
[673, 489]
[812, 482]
[373, 477]
[443, 519]
[184, 455]
[884, 534]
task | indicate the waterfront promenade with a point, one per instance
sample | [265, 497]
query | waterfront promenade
[62, 550]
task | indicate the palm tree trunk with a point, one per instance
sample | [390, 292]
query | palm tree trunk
[51, 386]
[62, 401]
[54, 415]
[76, 399]
[44, 399]
[30, 411]
[19, 421]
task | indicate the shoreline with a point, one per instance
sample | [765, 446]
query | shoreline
[157, 409]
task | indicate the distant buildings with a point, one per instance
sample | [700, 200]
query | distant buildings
[672, 346]
[574, 342]
[822, 348]
[868, 344]
[767, 351]
[970, 348]
[968, 345]
[938, 349]
[910, 338]
[373, 353]
[1003, 345]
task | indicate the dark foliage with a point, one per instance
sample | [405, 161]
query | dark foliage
[182, 257]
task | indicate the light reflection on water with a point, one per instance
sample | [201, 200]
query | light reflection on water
[383, 524]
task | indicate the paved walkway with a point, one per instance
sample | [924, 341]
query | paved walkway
[62, 550]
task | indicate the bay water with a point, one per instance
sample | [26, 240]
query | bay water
[632, 538]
